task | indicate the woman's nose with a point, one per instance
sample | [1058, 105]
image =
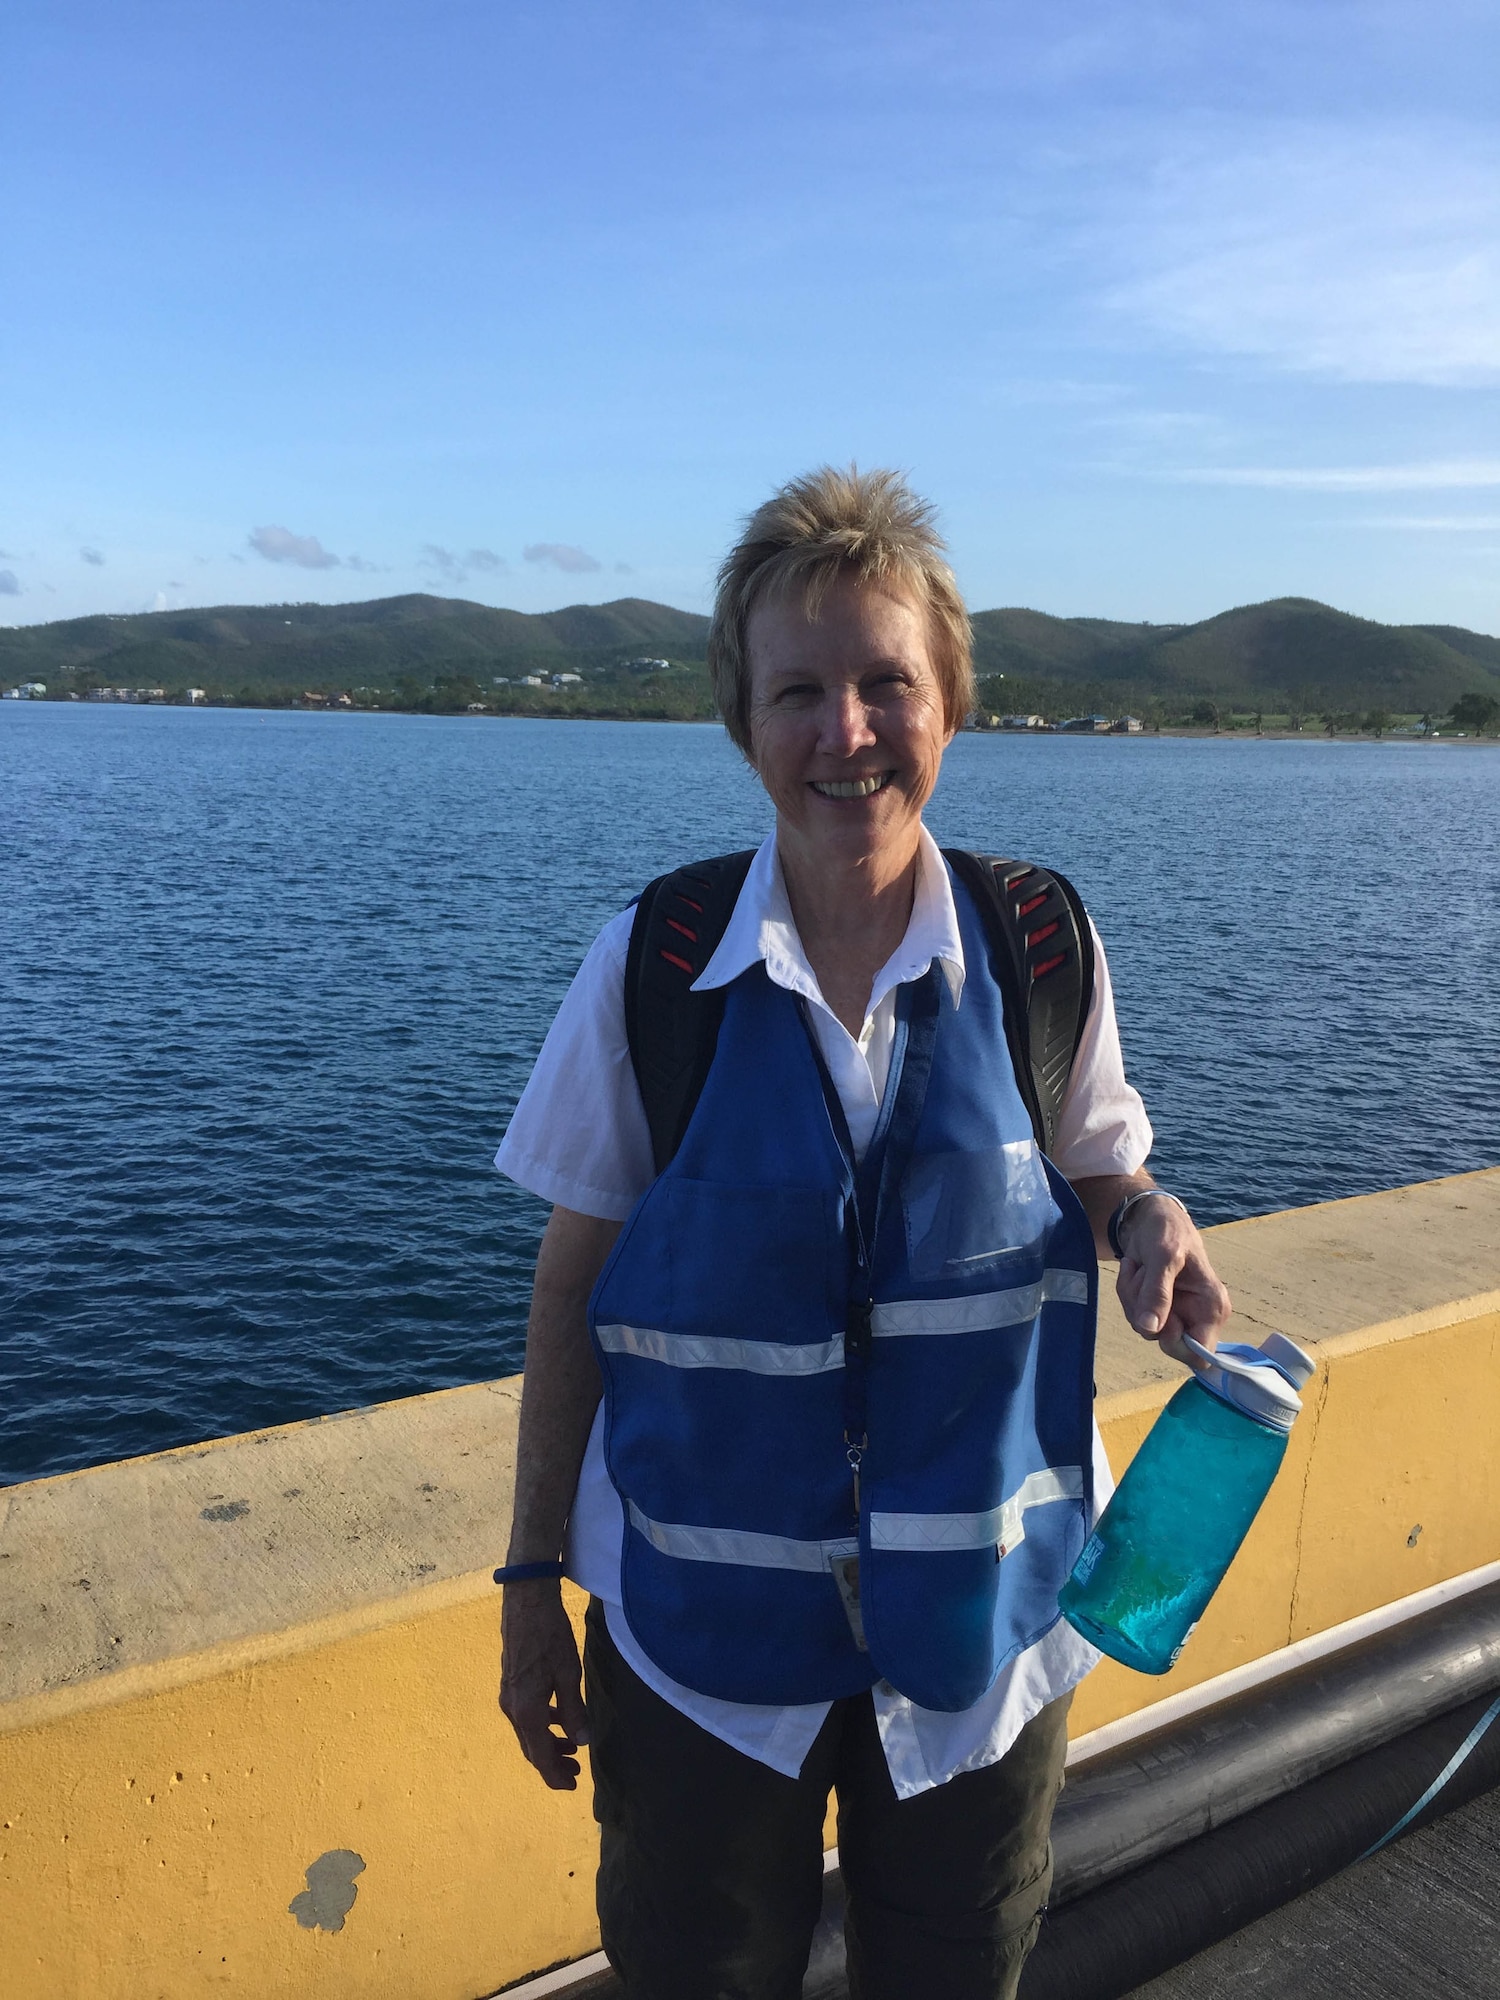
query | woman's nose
[845, 723]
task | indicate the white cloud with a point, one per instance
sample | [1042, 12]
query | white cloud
[448, 566]
[280, 545]
[453, 568]
[8, 584]
[563, 556]
[92, 556]
[1433, 475]
[1368, 254]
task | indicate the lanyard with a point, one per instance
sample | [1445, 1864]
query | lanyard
[875, 1183]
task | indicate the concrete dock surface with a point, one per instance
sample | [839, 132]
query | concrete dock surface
[1418, 1921]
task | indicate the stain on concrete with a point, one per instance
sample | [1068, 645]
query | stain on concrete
[232, 1510]
[330, 1892]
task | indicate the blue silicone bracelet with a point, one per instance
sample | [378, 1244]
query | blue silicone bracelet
[524, 1572]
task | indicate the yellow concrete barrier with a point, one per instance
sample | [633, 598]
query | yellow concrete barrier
[248, 1734]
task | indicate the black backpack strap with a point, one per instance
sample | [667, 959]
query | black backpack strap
[673, 1032]
[1042, 951]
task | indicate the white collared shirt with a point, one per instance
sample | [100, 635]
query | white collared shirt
[579, 1139]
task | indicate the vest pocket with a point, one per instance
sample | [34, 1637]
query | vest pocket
[966, 1210]
[753, 1263]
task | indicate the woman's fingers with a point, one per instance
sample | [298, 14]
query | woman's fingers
[1169, 1289]
[541, 1691]
[1155, 1292]
[572, 1717]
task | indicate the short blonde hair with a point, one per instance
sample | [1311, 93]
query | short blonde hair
[817, 528]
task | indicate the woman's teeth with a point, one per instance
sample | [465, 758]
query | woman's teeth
[852, 788]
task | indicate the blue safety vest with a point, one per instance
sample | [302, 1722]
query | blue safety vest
[806, 1362]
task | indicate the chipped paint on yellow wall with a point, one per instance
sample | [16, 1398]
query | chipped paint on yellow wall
[153, 1849]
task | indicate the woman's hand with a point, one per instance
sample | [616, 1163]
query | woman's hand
[540, 1688]
[541, 1681]
[1166, 1284]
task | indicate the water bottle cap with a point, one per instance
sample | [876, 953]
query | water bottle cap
[1256, 1380]
[1298, 1368]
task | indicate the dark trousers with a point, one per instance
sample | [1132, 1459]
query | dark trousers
[711, 1866]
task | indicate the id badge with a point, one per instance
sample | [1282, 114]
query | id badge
[846, 1576]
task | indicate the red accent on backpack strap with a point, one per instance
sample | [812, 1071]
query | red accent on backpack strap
[1046, 931]
[672, 959]
[672, 924]
[1034, 903]
[1048, 965]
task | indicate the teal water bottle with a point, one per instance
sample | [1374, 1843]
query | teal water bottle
[1160, 1548]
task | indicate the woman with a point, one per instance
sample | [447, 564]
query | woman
[845, 1455]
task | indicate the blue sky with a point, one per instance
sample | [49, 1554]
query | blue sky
[1168, 307]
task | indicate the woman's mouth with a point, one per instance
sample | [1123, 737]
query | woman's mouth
[852, 788]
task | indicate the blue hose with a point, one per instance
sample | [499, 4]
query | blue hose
[1440, 1780]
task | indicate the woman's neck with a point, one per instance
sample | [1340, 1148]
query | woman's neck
[850, 919]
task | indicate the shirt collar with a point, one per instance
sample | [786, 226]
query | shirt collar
[761, 928]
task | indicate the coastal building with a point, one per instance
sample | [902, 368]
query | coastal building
[530, 681]
[27, 691]
[1023, 722]
[1087, 725]
[566, 680]
[1126, 725]
[195, 695]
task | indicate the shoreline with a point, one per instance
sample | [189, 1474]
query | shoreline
[1185, 732]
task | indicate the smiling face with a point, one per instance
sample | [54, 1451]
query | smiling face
[847, 727]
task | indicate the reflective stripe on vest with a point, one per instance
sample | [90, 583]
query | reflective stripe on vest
[738, 1545]
[697, 1350]
[902, 1318]
[1001, 1527]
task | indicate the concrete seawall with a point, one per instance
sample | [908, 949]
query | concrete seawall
[248, 1734]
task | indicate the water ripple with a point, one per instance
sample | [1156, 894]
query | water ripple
[271, 985]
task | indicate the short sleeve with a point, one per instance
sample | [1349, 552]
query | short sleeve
[1102, 1127]
[579, 1137]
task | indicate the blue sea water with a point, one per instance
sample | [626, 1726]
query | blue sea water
[270, 985]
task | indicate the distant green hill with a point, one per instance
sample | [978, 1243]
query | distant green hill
[438, 652]
[1291, 649]
[328, 646]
